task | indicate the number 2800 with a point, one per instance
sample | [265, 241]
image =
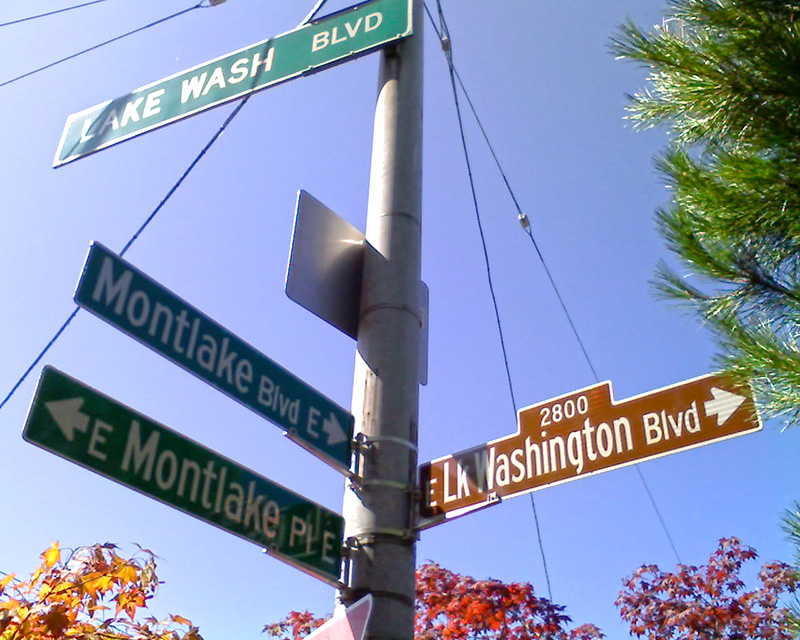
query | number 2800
[555, 413]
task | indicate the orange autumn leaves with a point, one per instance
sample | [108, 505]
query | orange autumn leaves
[450, 606]
[93, 593]
[90, 593]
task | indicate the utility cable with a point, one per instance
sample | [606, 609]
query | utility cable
[522, 217]
[38, 358]
[446, 45]
[658, 512]
[185, 174]
[130, 242]
[14, 579]
[50, 13]
[526, 225]
[102, 44]
[313, 13]
[444, 38]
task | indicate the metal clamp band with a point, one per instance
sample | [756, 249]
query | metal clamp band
[391, 484]
[357, 594]
[367, 441]
[415, 313]
[385, 534]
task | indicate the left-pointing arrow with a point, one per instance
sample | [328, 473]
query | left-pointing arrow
[68, 416]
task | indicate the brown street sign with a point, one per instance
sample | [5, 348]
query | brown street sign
[585, 432]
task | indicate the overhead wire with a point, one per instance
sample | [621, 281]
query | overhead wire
[524, 221]
[527, 227]
[102, 44]
[480, 231]
[50, 13]
[444, 37]
[10, 575]
[185, 174]
[130, 242]
[313, 13]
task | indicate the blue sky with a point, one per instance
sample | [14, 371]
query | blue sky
[552, 99]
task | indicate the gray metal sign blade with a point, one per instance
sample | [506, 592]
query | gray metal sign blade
[325, 262]
[326, 259]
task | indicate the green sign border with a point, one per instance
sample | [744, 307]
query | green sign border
[346, 35]
[123, 445]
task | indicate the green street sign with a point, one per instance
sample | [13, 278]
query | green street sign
[116, 291]
[94, 431]
[323, 43]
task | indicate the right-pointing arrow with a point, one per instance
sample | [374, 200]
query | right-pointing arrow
[723, 405]
[333, 428]
[68, 417]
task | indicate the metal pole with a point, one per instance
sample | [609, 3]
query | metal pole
[379, 503]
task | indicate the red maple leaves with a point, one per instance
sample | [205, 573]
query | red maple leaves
[692, 603]
[709, 602]
[450, 606]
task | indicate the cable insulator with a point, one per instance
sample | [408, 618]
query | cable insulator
[523, 220]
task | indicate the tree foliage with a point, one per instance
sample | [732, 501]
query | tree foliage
[724, 79]
[692, 603]
[90, 593]
[791, 526]
[455, 607]
[296, 625]
[709, 602]
[450, 606]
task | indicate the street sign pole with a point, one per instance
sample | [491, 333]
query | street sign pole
[379, 502]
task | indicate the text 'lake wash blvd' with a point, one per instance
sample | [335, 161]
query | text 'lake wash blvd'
[586, 432]
[330, 40]
[82, 425]
[117, 292]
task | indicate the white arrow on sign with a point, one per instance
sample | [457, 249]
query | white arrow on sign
[350, 626]
[334, 430]
[723, 405]
[68, 416]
